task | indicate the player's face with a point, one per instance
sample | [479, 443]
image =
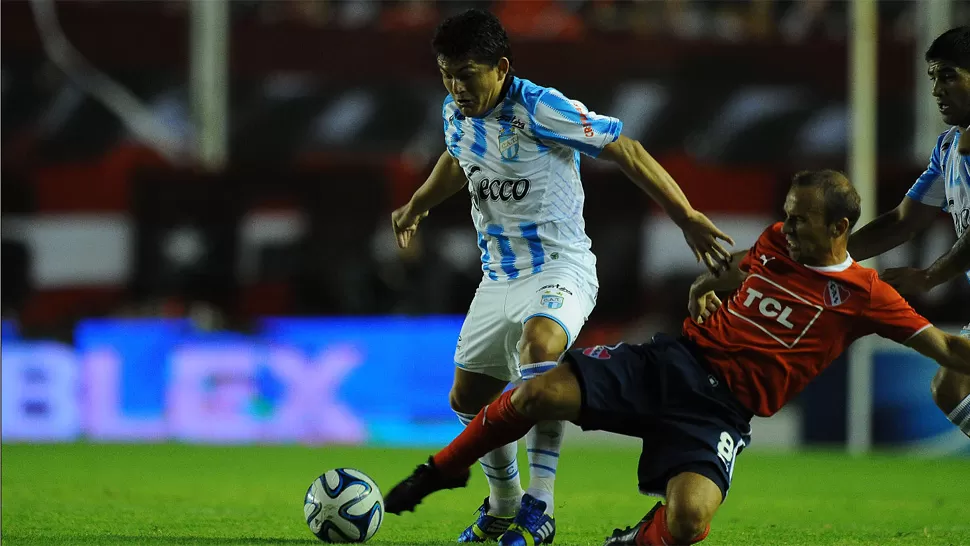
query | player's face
[951, 87]
[809, 240]
[474, 86]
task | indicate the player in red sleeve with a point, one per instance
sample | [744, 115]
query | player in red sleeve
[798, 300]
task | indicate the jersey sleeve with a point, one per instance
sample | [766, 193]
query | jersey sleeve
[930, 188]
[451, 132]
[771, 241]
[569, 123]
[890, 316]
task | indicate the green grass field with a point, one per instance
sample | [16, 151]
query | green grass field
[174, 494]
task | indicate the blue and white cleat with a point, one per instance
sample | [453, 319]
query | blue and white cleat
[487, 527]
[531, 525]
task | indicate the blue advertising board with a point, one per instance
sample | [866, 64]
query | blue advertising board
[382, 380]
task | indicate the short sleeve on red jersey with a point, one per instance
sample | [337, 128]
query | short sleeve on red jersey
[890, 316]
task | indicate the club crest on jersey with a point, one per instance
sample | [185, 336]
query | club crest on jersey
[600, 352]
[551, 301]
[508, 143]
[835, 294]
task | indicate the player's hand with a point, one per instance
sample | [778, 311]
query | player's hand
[405, 224]
[702, 306]
[907, 280]
[963, 147]
[702, 238]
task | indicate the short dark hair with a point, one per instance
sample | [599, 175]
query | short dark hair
[476, 35]
[839, 195]
[953, 46]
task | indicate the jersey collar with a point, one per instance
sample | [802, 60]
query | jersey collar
[837, 268]
[503, 94]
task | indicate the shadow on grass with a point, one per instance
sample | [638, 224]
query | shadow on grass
[195, 540]
[157, 539]
[208, 540]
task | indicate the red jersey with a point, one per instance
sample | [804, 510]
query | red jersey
[787, 322]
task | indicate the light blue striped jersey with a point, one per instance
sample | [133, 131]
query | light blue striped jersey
[946, 182]
[522, 164]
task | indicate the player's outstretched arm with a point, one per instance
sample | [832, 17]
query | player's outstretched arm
[701, 234]
[955, 262]
[891, 229]
[948, 350]
[952, 264]
[445, 180]
[702, 300]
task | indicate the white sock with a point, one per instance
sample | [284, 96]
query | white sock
[502, 471]
[543, 443]
[960, 416]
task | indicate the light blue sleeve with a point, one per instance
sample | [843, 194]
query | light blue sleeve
[452, 132]
[556, 119]
[930, 188]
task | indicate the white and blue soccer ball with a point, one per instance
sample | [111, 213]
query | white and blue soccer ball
[343, 505]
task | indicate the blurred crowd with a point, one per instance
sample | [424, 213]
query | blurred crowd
[731, 20]
[301, 139]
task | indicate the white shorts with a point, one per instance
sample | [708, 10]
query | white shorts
[489, 338]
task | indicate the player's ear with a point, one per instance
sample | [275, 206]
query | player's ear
[503, 67]
[839, 227]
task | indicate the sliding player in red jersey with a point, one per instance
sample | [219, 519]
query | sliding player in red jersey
[798, 301]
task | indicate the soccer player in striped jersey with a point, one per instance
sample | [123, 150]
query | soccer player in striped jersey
[516, 146]
[945, 185]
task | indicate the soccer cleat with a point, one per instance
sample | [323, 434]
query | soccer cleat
[628, 536]
[425, 480]
[487, 527]
[531, 525]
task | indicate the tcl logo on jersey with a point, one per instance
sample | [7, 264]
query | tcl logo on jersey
[782, 314]
[769, 307]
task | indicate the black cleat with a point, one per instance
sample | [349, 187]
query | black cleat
[628, 536]
[425, 480]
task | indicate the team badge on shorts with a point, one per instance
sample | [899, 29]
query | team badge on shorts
[551, 301]
[600, 352]
[508, 143]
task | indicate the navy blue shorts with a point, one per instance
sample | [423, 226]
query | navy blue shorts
[659, 391]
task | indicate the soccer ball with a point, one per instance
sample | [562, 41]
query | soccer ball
[343, 505]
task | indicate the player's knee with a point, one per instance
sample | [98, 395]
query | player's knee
[949, 388]
[542, 349]
[464, 402]
[688, 518]
[937, 387]
[536, 398]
